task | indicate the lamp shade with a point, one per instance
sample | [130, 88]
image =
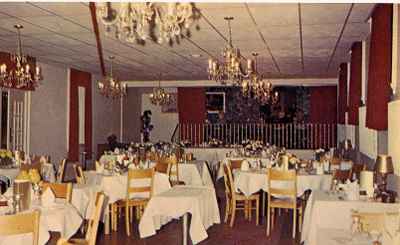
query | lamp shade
[384, 164]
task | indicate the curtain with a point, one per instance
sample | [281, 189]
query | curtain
[379, 70]
[355, 82]
[79, 79]
[323, 104]
[192, 112]
[342, 100]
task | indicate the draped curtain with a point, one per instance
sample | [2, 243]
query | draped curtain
[323, 104]
[342, 100]
[192, 111]
[355, 82]
[379, 70]
[79, 79]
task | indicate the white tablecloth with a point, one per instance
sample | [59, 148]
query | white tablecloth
[324, 211]
[195, 173]
[200, 202]
[211, 155]
[341, 237]
[61, 217]
[253, 162]
[252, 181]
[83, 198]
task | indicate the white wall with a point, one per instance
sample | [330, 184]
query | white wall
[164, 123]
[106, 116]
[368, 137]
[48, 119]
[394, 134]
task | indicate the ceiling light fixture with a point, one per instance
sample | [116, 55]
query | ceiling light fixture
[21, 73]
[110, 86]
[159, 96]
[138, 21]
[255, 87]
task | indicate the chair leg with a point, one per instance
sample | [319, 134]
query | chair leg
[227, 210]
[246, 216]
[294, 222]
[257, 210]
[268, 220]
[233, 212]
[300, 219]
[272, 217]
[127, 223]
[263, 196]
[249, 209]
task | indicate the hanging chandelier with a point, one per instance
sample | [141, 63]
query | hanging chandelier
[110, 86]
[230, 71]
[255, 87]
[140, 21]
[159, 96]
[21, 74]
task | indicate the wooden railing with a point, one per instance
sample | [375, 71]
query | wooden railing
[288, 135]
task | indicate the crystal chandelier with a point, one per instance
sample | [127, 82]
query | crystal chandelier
[255, 87]
[139, 21]
[110, 86]
[230, 71]
[159, 96]
[20, 74]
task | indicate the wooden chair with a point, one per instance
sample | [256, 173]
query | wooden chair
[61, 170]
[21, 223]
[340, 176]
[335, 162]
[235, 164]
[141, 202]
[161, 167]
[79, 175]
[60, 190]
[27, 167]
[237, 201]
[173, 171]
[91, 233]
[290, 196]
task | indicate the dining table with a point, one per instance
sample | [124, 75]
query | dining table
[61, 217]
[327, 217]
[180, 201]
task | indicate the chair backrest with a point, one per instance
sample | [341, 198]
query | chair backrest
[161, 167]
[93, 222]
[173, 168]
[21, 223]
[287, 183]
[79, 176]
[341, 175]
[140, 174]
[37, 165]
[235, 164]
[60, 190]
[228, 180]
[335, 161]
[61, 170]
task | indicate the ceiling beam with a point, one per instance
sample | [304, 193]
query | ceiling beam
[92, 7]
[340, 36]
[263, 38]
[207, 83]
[301, 37]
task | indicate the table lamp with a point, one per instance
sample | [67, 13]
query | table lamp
[383, 166]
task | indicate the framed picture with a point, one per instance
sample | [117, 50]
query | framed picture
[215, 102]
[171, 107]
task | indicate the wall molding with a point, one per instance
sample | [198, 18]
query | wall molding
[206, 83]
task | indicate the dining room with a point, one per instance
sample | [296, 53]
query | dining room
[205, 122]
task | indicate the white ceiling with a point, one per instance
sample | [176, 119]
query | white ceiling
[294, 40]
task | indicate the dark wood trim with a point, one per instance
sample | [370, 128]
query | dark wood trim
[92, 7]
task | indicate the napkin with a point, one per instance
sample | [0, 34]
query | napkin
[99, 167]
[245, 165]
[48, 197]
[116, 151]
[43, 159]
[351, 189]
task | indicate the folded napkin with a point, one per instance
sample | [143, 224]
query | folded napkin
[116, 151]
[43, 159]
[351, 189]
[99, 167]
[245, 165]
[48, 198]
